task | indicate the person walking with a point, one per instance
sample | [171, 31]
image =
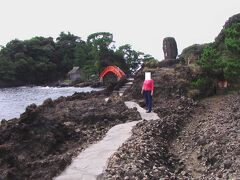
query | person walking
[147, 91]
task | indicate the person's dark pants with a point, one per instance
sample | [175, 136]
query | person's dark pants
[148, 100]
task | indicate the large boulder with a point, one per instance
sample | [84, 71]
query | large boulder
[170, 48]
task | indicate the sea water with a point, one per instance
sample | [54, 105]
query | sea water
[13, 101]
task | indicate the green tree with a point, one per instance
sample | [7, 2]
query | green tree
[232, 38]
[101, 44]
[45, 71]
[24, 71]
[101, 40]
[40, 60]
[211, 63]
[81, 54]
[13, 49]
[39, 47]
[7, 72]
[132, 58]
[66, 45]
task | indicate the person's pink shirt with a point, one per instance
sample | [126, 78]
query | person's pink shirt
[148, 85]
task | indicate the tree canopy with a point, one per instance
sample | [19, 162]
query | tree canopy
[40, 60]
[221, 61]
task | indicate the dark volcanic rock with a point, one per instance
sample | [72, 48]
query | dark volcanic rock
[168, 81]
[146, 155]
[190, 141]
[167, 63]
[43, 141]
[170, 48]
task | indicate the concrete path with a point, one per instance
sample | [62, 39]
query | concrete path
[143, 114]
[125, 87]
[92, 162]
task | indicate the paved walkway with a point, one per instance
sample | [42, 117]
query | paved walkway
[92, 162]
[125, 87]
[143, 114]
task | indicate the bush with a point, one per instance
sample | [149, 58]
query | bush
[199, 83]
[152, 63]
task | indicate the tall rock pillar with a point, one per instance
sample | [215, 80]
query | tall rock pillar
[170, 48]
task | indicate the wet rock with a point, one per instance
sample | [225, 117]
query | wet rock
[48, 102]
[29, 114]
[31, 107]
[83, 84]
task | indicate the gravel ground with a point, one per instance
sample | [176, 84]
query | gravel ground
[146, 154]
[209, 145]
[192, 139]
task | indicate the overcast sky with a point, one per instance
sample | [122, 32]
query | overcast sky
[141, 23]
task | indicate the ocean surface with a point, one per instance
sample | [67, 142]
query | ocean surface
[13, 101]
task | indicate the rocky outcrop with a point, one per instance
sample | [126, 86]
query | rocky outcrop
[190, 141]
[168, 81]
[146, 154]
[191, 54]
[232, 20]
[202, 139]
[43, 141]
[170, 48]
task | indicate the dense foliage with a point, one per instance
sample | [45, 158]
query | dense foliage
[220, 60]
[40, 60]
[217, 62]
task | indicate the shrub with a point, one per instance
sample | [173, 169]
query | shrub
[153, 63]
[199, 83]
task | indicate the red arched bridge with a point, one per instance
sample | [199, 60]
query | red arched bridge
[114, 69]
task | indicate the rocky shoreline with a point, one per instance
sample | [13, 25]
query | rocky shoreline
[191, 140]
[43, 141]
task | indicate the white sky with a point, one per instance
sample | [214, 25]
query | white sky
[140, 23]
